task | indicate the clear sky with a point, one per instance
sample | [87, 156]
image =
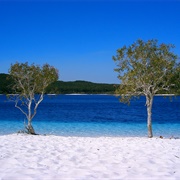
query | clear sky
[79, 37]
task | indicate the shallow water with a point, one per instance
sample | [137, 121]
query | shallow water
[94, 115]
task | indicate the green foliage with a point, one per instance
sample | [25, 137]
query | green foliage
[82, 87]
[30, 79]
[6, 83]
[144, 68]
[60, 87]
[176, 80]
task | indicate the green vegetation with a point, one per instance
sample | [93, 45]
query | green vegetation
[176, 80]
[6, 83]
[146, 68]
[82, 87]
[60, 87]
[30, 82]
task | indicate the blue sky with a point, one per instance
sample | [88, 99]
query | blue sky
[80, 37]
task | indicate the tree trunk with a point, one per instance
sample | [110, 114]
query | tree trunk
[30, 128]
[149, 102]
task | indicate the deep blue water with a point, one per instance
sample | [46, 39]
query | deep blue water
[94, 115]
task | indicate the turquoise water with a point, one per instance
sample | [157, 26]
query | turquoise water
[94, 115]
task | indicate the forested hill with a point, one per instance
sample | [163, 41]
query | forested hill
[84, 87]
[61, 87]
[5, 84]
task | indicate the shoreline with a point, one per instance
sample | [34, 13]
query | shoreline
[58, 157]
[94, 136]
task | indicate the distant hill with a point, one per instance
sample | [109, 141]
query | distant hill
[5, 84]
[82, 87]
[61, 87]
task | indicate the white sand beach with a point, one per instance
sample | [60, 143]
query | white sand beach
[54, 157]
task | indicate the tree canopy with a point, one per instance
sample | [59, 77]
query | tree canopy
[144, 67]
[30, 79]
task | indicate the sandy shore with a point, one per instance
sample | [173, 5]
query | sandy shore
[54, 157]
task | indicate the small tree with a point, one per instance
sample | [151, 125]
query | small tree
[144, 68]
[29, 86]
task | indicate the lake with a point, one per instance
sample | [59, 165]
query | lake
[94, 115]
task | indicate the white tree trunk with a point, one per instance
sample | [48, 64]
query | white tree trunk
[29, 126]
[149, 102]
[30, 113]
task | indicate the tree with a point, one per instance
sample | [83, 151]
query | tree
[144, 68]
[29, 86]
